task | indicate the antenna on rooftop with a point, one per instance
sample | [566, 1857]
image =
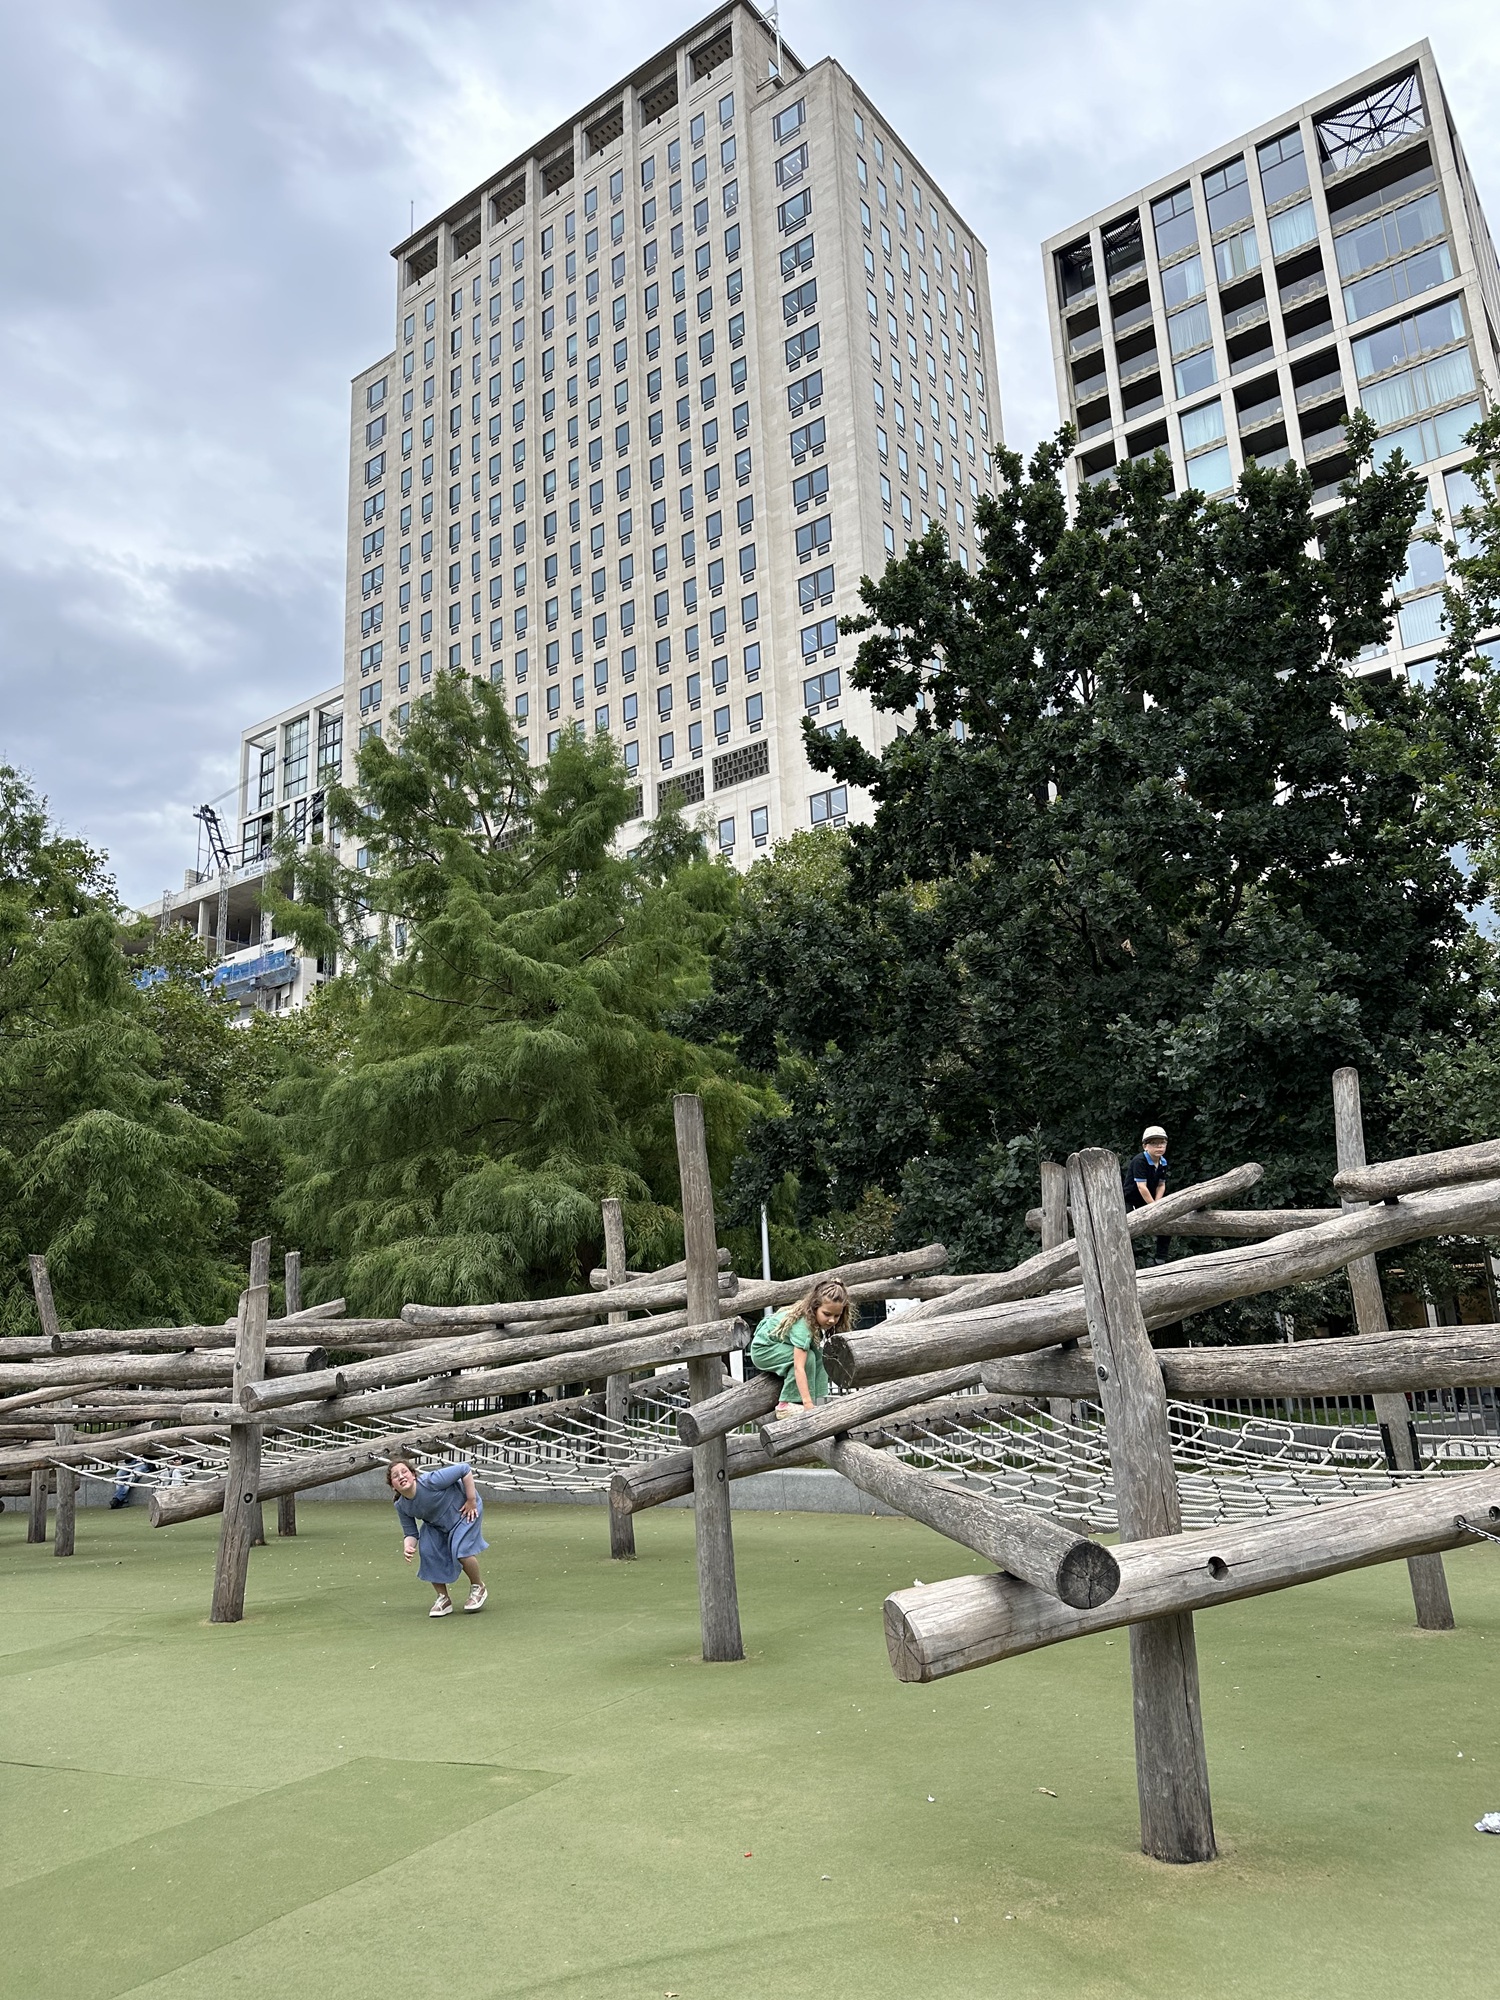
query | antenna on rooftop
[773, 17]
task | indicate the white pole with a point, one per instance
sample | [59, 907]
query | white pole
[765, 1245]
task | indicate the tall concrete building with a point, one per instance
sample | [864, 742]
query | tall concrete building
[1336, 257]
[662, 389]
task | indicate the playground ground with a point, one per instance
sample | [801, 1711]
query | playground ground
[341, 1796]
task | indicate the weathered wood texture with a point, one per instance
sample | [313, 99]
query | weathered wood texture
[1056, 1226]
[1166, 1294]
[286, 1503]
[600, 1279]
[1247, 1224]
[1392, 1178]
[201, 1370]
[170, 1505]
[65, 1514]
[741, 1403]
[519, 1312]
[946, 1628]
[1429, 1582]
[1056, 1560]
[718, 1596]
[636, 1488]
[841, 1414]
[33, 1398]
[617, 1386]
[1171, 1763]
[241, 1513]
[36, 1513]
[1442, 1357]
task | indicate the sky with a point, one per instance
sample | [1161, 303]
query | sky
[199, 203]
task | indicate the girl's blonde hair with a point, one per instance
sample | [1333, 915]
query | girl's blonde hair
[828, 1291]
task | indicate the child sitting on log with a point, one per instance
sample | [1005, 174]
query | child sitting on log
[440, 1511]
[787, 1344]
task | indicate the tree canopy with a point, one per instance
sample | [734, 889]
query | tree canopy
[1147, 846]
[514, 1057]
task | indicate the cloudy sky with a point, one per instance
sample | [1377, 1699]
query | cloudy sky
[199, 200]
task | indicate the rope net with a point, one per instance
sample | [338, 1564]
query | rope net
[1230, 1467]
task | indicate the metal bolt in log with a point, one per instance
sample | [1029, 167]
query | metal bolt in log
[242, 1476]
[1429, 1582]
[718, 1597]
[1171, 1764]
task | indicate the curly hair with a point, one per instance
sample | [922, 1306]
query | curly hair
[827, 1292]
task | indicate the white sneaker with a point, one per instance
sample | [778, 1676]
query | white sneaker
[477, 1598]
[443, 1608]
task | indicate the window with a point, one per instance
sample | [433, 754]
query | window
[810, 486]
[1292, 227]
[1283, 167]
[812, 438]
[806, 394]
[818, 584]
[819, 638]
[1408, 339]
[791, 166]
[1400, 397]
[1175, 223]
[797, 256]
[788, 121]
[755, 710]
[792, 214]
[1236, 255]
[801, 299]
[830, 808]
[803, 346]
[821, 691]
[1227, 192]
[815, 537]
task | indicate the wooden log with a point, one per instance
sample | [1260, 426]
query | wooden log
[286, 1503]
[617, 1386]
[946, 1628]
[241, 1513]
[217, 1340]
[1166, 1294]
[65, 1516]
[36, 1517]
[740, 1403]
[1056, 1560]
[1393, 1178]
[654, 1481]
[155, 1370]
[1171, 1763]
[170, 1505]
[519, 1312]
[842, 1414]
[1443, 1357]
[1056, 1228]
[1248, 1224]
[1429, 1582]
[35, 1397]
[718, 1596]
[600, 1279]
[1059, 1265]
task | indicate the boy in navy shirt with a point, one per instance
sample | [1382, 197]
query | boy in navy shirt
[1146, 1179]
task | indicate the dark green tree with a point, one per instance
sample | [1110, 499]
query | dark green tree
[515, 1059]
[102, 1169]
[1146, 846]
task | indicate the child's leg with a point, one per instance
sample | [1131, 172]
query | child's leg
[470, 1567]
[440, 1589]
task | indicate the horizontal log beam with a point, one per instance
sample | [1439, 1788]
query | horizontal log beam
[654, 1481]
[740, 1404]
[1441, 1357]
[170, 1505]
[860, 1407]
[195, 1370]
[1389, 1179]
[1243, 1224]
[1057, 1561]
[599, 1277]
[1167, 1294]
[520, 1312]
[935, 1630]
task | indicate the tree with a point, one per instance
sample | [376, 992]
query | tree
[514, 1060]
[1145, 846]
[100, 1169]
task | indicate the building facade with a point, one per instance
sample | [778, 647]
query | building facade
[662, 390]
[1235, 310]
[286, 763]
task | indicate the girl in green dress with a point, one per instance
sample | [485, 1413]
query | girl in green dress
[788, 1343]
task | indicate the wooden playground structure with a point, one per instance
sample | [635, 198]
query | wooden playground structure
[1018, 1413]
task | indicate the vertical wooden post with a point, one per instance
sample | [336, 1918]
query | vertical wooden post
[1171, 1766]
[1429, 1580]
[242, 1486]
[67, 1480]
[718, 1600]
[36, 1518]
[1055, 1231]
[617, 1387]
[286, 1506]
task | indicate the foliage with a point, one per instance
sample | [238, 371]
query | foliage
[1145, 847]
[100, 1169]
[514, 1058]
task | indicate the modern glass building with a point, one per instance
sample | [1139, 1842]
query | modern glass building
[1335, 258]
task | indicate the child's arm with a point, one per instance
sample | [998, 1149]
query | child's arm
[408, 1522]
[799, 1365]
[470, 1508]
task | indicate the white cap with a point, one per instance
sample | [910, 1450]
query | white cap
[1153, 1132]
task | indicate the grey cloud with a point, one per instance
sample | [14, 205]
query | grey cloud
[199, 205]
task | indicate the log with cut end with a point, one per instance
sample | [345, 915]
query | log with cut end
[1389, 1179]
[948, 1628]
[841, 1414]
[654, 1481]
[1440, 1357]
[172, 1504]
[1166, 1294]
[1248, 1224]
[195, 1371]
[740, 1404]
[1056, 1560]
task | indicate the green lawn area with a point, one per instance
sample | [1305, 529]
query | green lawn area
[558, 1798]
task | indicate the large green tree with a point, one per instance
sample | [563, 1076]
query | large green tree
[515, 1057]
[103, 1169]
[1147, 845]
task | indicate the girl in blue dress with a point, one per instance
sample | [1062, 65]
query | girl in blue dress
[440, 1512]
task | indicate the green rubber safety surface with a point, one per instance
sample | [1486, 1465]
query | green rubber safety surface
[558, 1798]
